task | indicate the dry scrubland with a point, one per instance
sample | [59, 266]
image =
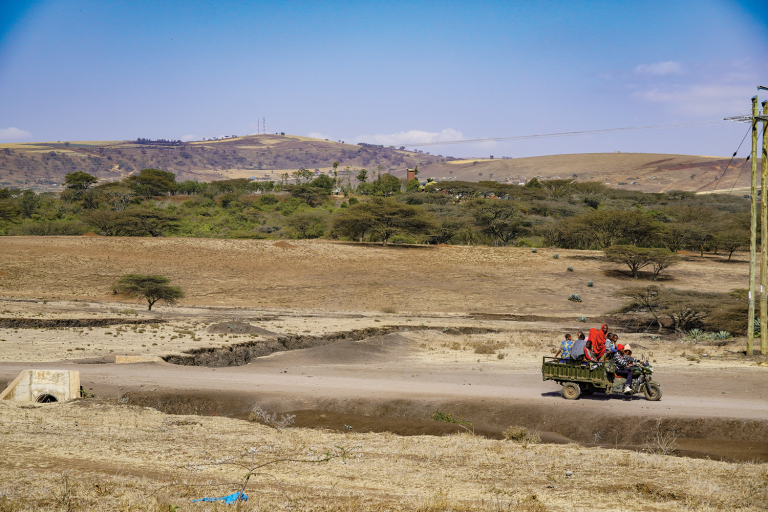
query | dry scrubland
[102, 454]
[338, 276]
[92, 455]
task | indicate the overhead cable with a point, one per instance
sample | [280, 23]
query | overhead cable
[572, 134]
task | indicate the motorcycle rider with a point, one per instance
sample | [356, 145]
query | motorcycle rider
[624, 361]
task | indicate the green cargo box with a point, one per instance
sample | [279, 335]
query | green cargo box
[587, 377]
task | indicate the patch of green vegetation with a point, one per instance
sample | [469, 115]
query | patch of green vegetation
[447, 418]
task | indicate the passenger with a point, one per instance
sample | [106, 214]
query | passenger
[597, 341]
[565, 349]
[624, 361]
[577, 351]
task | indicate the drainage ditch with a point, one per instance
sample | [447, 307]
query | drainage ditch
[243, 353]
[36, 323]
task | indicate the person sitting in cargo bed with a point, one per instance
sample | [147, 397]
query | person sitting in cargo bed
[577, 351]
[565, 349]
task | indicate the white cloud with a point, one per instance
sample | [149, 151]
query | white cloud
[660, 68]
[318, 135]
[187, 138]
[707, 99]
[13, 134]
[411, 137]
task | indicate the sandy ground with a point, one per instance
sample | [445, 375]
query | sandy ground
[439, 305]
[338, 276]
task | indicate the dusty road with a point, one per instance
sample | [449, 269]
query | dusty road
[385, 378]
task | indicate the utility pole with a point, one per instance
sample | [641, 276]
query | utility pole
[753, 234]
[764, 247]
[763, 250]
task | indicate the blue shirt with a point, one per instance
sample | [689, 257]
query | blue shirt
[566, 346]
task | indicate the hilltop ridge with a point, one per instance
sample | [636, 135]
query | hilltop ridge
[42, 165]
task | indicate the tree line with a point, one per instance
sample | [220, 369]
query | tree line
[381, 207]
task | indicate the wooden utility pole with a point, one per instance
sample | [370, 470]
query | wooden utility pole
[753, 234]
[764, 244]
[763, 248]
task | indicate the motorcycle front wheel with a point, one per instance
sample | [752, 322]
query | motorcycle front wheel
[652, 392]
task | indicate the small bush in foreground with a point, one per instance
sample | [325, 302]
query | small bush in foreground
[556, 256]
[590, 284]
[484, 349]
[570, 268]
[523, 435]
[447, 418]
[574, 297]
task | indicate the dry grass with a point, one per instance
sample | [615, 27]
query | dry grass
[105, 456]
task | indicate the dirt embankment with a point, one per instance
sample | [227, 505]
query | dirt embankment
[716, 438]
[36, 323]
[242, 353]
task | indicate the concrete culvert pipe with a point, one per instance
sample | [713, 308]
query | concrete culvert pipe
[46, 399]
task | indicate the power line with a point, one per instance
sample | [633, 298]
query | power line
[581, 132]
[731, 160]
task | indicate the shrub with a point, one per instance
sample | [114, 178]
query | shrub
[582, 319]
[501, 355]
[574, 297]
[534, 250]
[447, 418]
[570, 268]
[484, 349]
[556, 256]
[389, 309]
[520, 434]
[590, 283]
[402, 239]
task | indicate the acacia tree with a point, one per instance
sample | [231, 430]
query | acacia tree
[151, 288]
[385, 217]
[637, 258]
[501, 220]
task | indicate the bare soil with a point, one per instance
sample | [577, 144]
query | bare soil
[302, 331]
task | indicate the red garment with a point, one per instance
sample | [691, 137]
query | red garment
[597, 338]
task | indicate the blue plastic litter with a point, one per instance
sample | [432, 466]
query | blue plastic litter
[229, 500]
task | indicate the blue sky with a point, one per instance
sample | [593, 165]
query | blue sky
[384, 72]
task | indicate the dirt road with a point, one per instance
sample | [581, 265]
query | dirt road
[382, 384]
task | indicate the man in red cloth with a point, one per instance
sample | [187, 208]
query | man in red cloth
[597, 340]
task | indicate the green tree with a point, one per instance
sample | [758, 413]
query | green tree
[133, 221]
[323, 181]
[307, 224]
[385, 217]
[302, 175]
[152, 182]
[150, 288]
[386, 185]
[8, 211]
[362, 175]
[637, 258]
[313, 196]
[501, 220]
[412, 186]
[79, 180]
[533, 183]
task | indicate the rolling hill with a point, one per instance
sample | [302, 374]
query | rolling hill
[41, 166]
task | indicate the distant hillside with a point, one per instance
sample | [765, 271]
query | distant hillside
[646, 172]
[42, 165]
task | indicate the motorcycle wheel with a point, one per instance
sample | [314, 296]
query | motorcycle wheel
[655, 392]
[571, 391]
